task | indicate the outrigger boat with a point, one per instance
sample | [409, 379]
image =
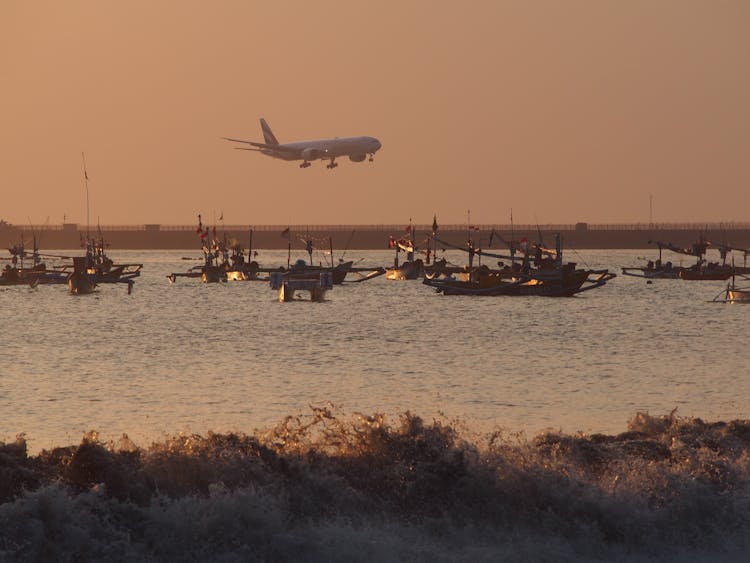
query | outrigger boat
[96, 268]
[18, 272]
[288, 283]
[733, 294]
[218, 264]
[80, 282]
[725, 249]
[317, 280]
[548, 276]
[654, 270]
[103, 269]
[411, 268]
[701, 270]
[300, 267]
[737, 295]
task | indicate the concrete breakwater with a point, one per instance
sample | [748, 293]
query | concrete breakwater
[369, 237]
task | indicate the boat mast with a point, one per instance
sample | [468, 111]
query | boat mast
[86, 185]
[512, 241]
[469, 242]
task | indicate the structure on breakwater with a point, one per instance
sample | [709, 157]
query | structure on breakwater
[368, 237]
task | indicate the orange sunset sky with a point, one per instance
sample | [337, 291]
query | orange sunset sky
[561, 111]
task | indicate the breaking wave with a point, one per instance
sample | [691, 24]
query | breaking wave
[332, 487]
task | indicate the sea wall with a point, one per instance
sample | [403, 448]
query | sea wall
[368, 237]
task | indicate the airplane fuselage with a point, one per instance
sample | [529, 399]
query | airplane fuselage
[325, 148]
[356, 148]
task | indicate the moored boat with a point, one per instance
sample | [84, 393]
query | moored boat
[80, 282]
[544, 276]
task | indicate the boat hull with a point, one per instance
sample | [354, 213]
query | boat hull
[738, 295]
[566, 285]
[706, 275]
[80, 283]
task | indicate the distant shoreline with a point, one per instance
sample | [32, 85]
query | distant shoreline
[374, 237]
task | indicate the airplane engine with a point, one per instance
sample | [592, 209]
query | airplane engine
[310, 154]
[357, 157]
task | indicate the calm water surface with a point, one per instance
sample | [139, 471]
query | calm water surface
[192, 357]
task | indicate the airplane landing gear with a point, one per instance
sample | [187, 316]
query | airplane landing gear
[304, 164]
[332, 165]
[371, 157]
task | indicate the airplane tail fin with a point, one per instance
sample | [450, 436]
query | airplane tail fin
[268, 135]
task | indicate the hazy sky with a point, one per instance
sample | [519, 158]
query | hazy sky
[563, 111]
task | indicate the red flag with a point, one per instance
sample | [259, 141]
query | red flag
[408, 229]
[285, 233]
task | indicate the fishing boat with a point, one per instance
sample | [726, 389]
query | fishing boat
[20, 272]
[701, 270]
[301, 267]
[542, 276]
[99, 267]
[655, 269]
[411, 268]
[733, 294]
[725, 249]
[237, 267]
[706, 271]
[80, 282]
[567, 282]
[290, 282]
[738, 295]
[215, 259]
[103, 268]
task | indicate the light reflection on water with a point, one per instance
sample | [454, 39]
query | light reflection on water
[195, 357]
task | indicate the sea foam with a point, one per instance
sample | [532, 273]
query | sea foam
[333, 487]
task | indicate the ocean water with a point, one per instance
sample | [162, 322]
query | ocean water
[193, 422]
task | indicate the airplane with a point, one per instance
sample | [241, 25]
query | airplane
[356, 148]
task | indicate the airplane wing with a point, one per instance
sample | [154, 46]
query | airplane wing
[279, 148]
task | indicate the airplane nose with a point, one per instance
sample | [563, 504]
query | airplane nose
[377, 144]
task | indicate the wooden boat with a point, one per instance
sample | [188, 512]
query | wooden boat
[19, 272]
[568, 282]
[216, 264]
[288, 283]
[543, 276]
[654, 271]
[701, 270]
[302, 268]
[80, 282]
[737, 295]
[734, 294]
[709, 271]
[411, 268]
[103, 269]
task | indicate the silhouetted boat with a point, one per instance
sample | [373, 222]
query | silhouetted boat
[411, 268]
[80, 282]
[289, 283]
[701, 270]
[544, 277]
[20, 272]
